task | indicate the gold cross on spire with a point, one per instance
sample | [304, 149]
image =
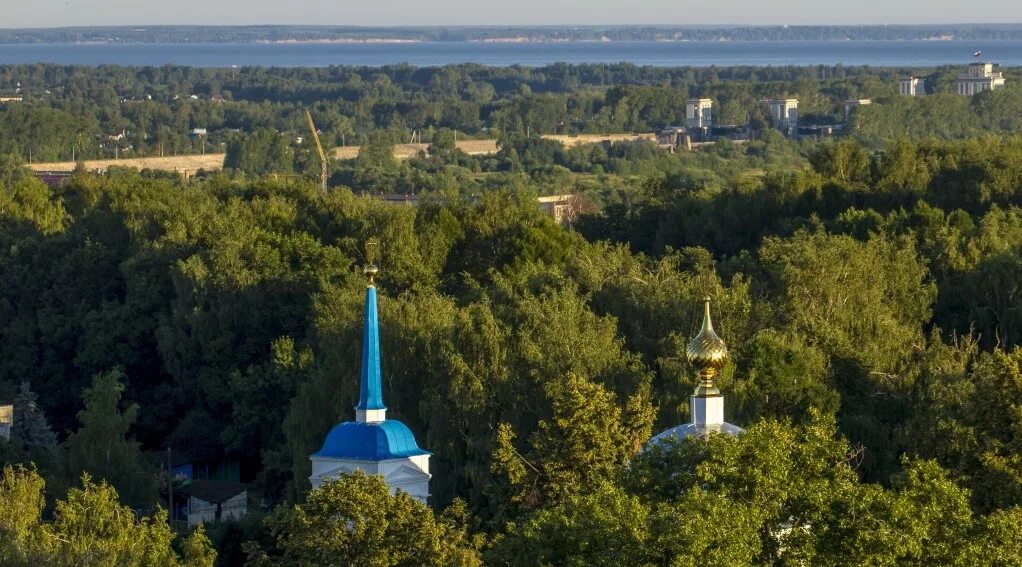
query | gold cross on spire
[371, 269]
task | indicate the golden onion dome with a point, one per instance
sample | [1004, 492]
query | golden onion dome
[370, 271]
[706, 350]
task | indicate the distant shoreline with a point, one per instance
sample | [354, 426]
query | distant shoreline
[488, 41]
[504, 34]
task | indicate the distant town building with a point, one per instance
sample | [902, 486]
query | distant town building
[671, 136]
[980, 77]
[10, 99]
[699, 113]
[6, 421]
[783, 113]
[199, 132]
[912, 86]
[708, 353]
[207, 487]
[563, 208]
[851, 105]
[117, 136]
[372, 443]
[215, 501]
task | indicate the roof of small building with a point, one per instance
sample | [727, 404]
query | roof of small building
[213, 491]
[680, 432]
[378, 441]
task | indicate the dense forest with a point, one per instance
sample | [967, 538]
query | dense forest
[250, 34]
[867, 287]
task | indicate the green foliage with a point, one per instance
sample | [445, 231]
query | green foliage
[89, 527]
[356, 521]
[261, 152]
[30, 426]
[604, 526]
[102, 447]
[860, 300]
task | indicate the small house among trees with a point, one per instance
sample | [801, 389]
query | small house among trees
[6, 421]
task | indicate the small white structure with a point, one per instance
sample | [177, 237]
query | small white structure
[980, 77]
[709, 353]
[912, 86]
[783, 113]
[699, 113]
[563, 208]
[851, 105]
[671, 136]
[6, 421]
[372, 443]
[215, 501]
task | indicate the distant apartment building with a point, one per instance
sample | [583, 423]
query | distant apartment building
[783, 113]
[980, 77]
[10, 99]
[912, 86]
[699, 113]
[851, 105]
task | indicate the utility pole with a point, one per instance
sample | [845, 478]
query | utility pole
[170, 489]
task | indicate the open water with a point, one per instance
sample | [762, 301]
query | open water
[698, 54]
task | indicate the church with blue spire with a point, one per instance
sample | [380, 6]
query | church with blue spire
[372, 443]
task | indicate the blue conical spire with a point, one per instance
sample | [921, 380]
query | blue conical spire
[370, 400]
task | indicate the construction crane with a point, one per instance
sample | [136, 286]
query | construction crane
[319, 150]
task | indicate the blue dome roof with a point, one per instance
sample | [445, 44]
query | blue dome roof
[379, 441]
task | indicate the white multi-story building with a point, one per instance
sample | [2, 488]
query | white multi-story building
[699, 113]
[980, 77]
[783, 113]
[912, 86]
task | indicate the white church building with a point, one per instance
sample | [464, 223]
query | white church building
[372, 443]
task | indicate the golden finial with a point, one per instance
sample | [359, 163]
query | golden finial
[707, 352]
[371, 269]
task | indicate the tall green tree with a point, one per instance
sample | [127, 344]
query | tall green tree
[30, 426]
[102, 446]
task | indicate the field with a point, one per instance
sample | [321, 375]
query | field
[188, 165]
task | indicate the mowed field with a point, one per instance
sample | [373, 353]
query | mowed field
[190, 164]
[581, 139]
[408, 151]
[185, 165]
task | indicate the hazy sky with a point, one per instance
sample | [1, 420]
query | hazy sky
[47, 13]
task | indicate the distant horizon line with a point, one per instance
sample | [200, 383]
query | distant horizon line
[514, 26]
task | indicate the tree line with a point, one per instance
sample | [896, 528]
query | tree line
[70, 113]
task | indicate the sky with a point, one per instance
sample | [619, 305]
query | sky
[55, 13]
